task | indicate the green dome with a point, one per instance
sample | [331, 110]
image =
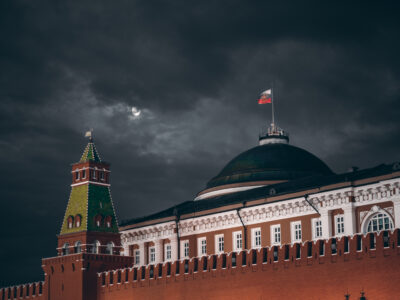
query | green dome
[270, 162]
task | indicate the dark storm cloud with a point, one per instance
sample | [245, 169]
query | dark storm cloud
[195, 70]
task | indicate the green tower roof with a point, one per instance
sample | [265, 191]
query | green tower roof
[90, 153]
[90, 202]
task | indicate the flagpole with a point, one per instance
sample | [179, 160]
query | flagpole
[273, 113]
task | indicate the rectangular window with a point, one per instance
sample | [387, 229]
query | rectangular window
[83, 173]
[276, 234]
[137, 257]
[237, 241]
[185, 249]
[317, 228]
[339, 220]
[168, 252]
[76, 175]
[201, 246]
[219, 242]
[94, 174]
[152, 251]
[296, 231]
[256, 237]
[102, 175]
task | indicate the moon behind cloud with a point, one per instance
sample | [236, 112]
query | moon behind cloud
[136, 112]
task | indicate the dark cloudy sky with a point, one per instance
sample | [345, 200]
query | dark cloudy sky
[195, 69]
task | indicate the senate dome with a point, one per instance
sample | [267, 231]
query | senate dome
[272, 161]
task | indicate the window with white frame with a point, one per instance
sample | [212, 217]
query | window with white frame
[137, 257]
[378, 222]
[76, 174]
[256, 237]
[94, 174]
[237, 241]
[296, 231]
[219, 243]
[276, 234]
[184, 249]
[168, 252]
[152, 256]
[339, 221]
[317, 228]
[202, 246]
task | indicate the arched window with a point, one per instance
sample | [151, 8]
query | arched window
[98, 220]
[76, 174]
[108, 220]
[65, 249]
[70, 222]
[78, 221]
[96, 247]
[379, 221]
[78, 247]
[110, 247]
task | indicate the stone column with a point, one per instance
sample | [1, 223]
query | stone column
[396, 211]
[142, 253]
[158, 245]
[174, 248]
[326, 223]
[349, 219]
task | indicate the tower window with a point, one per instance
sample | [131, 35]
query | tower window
[93, 174]
[77, 220]
[110, 247]
[96, 247]
[83, 173]
[65, 249]
[98, 220]
[76, 174]
[70, 222]
[108, 221]
[101, 173]
[78, 247]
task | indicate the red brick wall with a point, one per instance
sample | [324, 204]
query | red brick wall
[329, 276]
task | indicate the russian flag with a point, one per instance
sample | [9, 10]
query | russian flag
[265, 97]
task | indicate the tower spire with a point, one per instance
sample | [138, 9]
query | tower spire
[90, 220]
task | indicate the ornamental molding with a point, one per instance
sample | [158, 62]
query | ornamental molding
[148, 233]
[291, 208]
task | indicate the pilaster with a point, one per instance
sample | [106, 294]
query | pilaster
[326, 223]
[396, 208]
[349, 219]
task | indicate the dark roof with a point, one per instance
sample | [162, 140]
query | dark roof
[297, 185]
[270, 162]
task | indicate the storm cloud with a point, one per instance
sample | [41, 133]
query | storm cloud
[195, 70]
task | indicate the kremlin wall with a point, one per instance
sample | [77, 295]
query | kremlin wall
[275, 223]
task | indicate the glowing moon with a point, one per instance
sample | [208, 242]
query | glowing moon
[136, 112]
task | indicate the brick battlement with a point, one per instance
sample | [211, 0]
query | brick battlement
[32, 290]
[270, 260]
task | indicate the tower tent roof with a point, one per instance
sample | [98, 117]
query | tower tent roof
[90, 153]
